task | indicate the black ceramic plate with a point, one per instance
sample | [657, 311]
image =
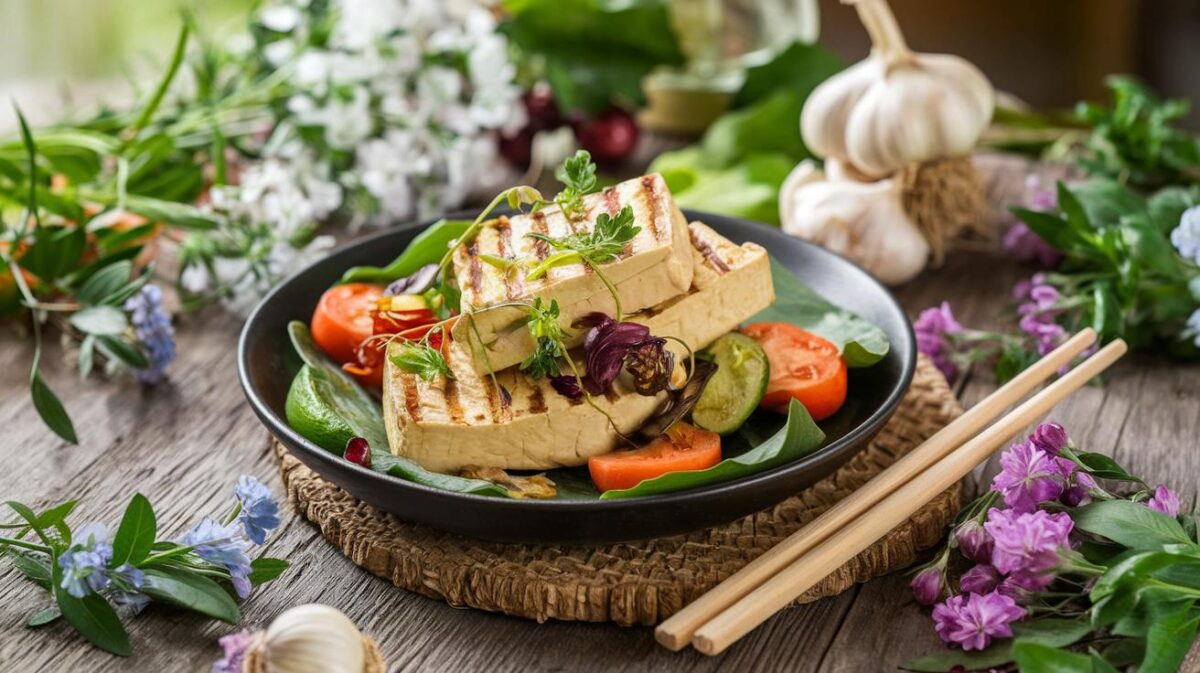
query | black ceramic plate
[266, 365]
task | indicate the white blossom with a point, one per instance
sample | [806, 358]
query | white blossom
[1193, 324]
[1186, 237]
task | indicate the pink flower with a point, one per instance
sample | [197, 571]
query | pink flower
[1020, 585]
[1049, 437]
[973, 541]
[972, 620]
[1028, 476]
[1027, 542]
[1164, 500]
[980, 579]
[1020, 240]
[1080, 484]
[931, 328]
[235, 646]
[928, 585]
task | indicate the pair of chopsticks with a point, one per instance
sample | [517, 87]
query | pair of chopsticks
[772, 581]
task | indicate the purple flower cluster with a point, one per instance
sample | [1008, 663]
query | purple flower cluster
[234, 647]
[1017, 549]
[1020, 241]
[152, 327]
[85, 567]
[226, 545]
[931, 328]
[1164, 500]
[1039, 313]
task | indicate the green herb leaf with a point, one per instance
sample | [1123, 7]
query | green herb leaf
[135, 535]
[578, 173]
[862, 343]
[104, 282]
[1129, 523]
[193, 592]
[1034, 657]
[549, 339]
[799, 437]
[43, 617]
[601, 245]
[100, 320]
[48, 406]
[427, 247]
[55, 251]
[1100, 465]
[264, 569]
[36, 568]
[119, 349]
[93, 618]
[420, 359]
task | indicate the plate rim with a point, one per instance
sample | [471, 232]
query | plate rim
[279, 428]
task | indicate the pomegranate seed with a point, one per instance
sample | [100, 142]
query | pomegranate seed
[358, 451]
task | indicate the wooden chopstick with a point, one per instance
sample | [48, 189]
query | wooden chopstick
[805, 571]
[676, 632]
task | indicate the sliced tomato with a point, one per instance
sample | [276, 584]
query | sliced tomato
[684, 447]
[804, 367]
[343, 319]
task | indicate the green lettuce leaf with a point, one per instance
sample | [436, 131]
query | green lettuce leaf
[428, 247]
[862, 343]
[798, 438]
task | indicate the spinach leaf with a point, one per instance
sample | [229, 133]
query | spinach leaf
[862, 343]
[427, 247]
[1129, 523]
[348, 411]
[799, 437]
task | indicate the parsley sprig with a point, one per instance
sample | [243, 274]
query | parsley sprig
[601, 245]
[549, 339]
[423, 360]
[578, 175]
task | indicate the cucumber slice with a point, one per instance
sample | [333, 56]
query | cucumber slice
[734, 391]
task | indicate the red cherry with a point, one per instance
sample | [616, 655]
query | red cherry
[610, 137]
[358, 451]
[517, 149]
[542, 110]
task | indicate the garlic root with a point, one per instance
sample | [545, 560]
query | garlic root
[864, 221]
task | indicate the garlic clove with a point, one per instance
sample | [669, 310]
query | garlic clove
[864, 221]
[896, 107]
[934, 107]
[313, 638]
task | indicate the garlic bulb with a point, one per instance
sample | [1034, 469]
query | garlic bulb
[865, 221]
[313, 639]
[896, 106]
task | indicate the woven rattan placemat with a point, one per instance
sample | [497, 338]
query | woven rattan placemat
[636, 582]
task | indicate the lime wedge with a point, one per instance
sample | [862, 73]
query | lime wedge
[312, 413]
[734, 391]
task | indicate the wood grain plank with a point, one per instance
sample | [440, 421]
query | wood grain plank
[183, 444]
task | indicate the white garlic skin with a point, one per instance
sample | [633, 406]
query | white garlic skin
[897, 106]
[864, 221]
[313, 639]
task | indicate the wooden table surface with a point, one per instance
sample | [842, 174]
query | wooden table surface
[184, 443]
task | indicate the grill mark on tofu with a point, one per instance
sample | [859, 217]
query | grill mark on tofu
[453, 404]
[612, 201]
[537, 401]
[476, 267]
[493, 400]
[711, 256]
[504, 246]
[652, 207]
[538, 226]
[411, 403]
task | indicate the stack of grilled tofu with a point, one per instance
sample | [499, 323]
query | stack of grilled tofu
[680, 280]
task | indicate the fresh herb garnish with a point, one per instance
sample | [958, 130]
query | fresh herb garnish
[578, 175]
[603, 244]
[423, 360]
[549, 339]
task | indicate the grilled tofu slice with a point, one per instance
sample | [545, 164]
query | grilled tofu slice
[447, 425]
[655, 266]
